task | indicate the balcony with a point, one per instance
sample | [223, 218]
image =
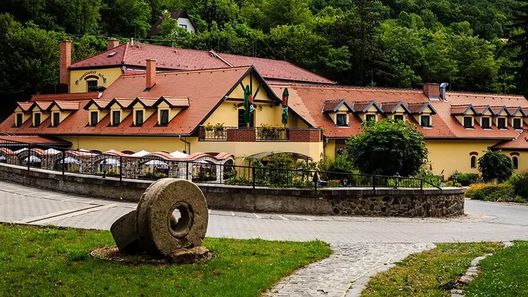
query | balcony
[261, 134]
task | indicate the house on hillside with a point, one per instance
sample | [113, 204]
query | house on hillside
[156, 98]
[100, 71]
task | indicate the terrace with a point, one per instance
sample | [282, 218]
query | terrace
[264, 134]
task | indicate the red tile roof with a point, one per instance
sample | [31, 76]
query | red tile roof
[169, 58]
[520, 142]
[199, 91]
[67, 96]
[308, 101]
[34, 139]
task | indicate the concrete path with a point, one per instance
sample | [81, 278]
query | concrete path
[362, 245]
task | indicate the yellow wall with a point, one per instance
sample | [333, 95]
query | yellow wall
[244, 149]
[267, 111]
[126, 143]
[105, 78]
[448, 156]
[169, 144]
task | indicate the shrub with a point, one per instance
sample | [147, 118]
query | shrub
[336, 169]
[465, 179]
[493, 192]
[520, 184]
[387, 148]
[495, 166]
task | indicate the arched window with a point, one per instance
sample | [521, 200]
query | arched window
[473, 161]
[515, 161]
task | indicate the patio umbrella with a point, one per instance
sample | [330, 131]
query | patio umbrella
[248, 105]
[140, 154]
[285, 96]
[70, 160]
[112, 162]
[158, 164]
[33, 159]
[179, 155]
[52, 151]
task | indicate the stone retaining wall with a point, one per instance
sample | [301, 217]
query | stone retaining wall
[337, 201]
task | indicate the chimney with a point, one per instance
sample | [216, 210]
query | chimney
[432, 90]
[111, 43]
[65, 62]
[151, 74]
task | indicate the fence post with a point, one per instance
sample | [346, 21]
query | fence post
[186, 170]
[120, 168]
[421, 184]
[374, 182]
[63, 164]
[253, 176]
[315, 180]
[29, 157]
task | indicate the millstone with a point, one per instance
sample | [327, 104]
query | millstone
[159, 233]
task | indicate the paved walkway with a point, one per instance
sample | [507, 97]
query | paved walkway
[362, 245]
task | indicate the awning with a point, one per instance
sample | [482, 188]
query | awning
[22, 140]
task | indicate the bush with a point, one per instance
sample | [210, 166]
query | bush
[493, 192]
[465, 179]
[387, 148]
[495, 166]
[519, 183]
[336, 169]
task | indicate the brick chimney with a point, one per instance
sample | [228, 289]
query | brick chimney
[151, 74]
[432, 90]
[65, 62]
[111, 43]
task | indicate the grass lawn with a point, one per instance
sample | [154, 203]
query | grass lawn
[505, 273]
[55, 262]
[430, 273]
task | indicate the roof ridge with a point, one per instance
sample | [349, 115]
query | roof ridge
[217, 55]
[484, 94]
[317, 85]
[125, 53]
[192, 71]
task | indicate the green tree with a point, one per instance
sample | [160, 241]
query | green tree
[388, 148]
[129, 18]
[520, 41]
[30, 60]
[494, 165]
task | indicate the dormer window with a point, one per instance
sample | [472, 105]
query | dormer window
[468, 122]
[341, 120]
[517, 123]
[163, 119]
[485, 123]
[36, 119]
[138, 115]
[370, 118]
[398, 117]
[116, 117]
[425, 121]
[19, 119]
[55, 118]
[501, 123]
[94, 118]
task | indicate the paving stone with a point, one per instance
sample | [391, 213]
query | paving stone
[363, 245]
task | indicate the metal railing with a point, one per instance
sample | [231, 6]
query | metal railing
[155, 166]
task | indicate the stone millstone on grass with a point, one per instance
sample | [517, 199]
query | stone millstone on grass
[153, 229]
